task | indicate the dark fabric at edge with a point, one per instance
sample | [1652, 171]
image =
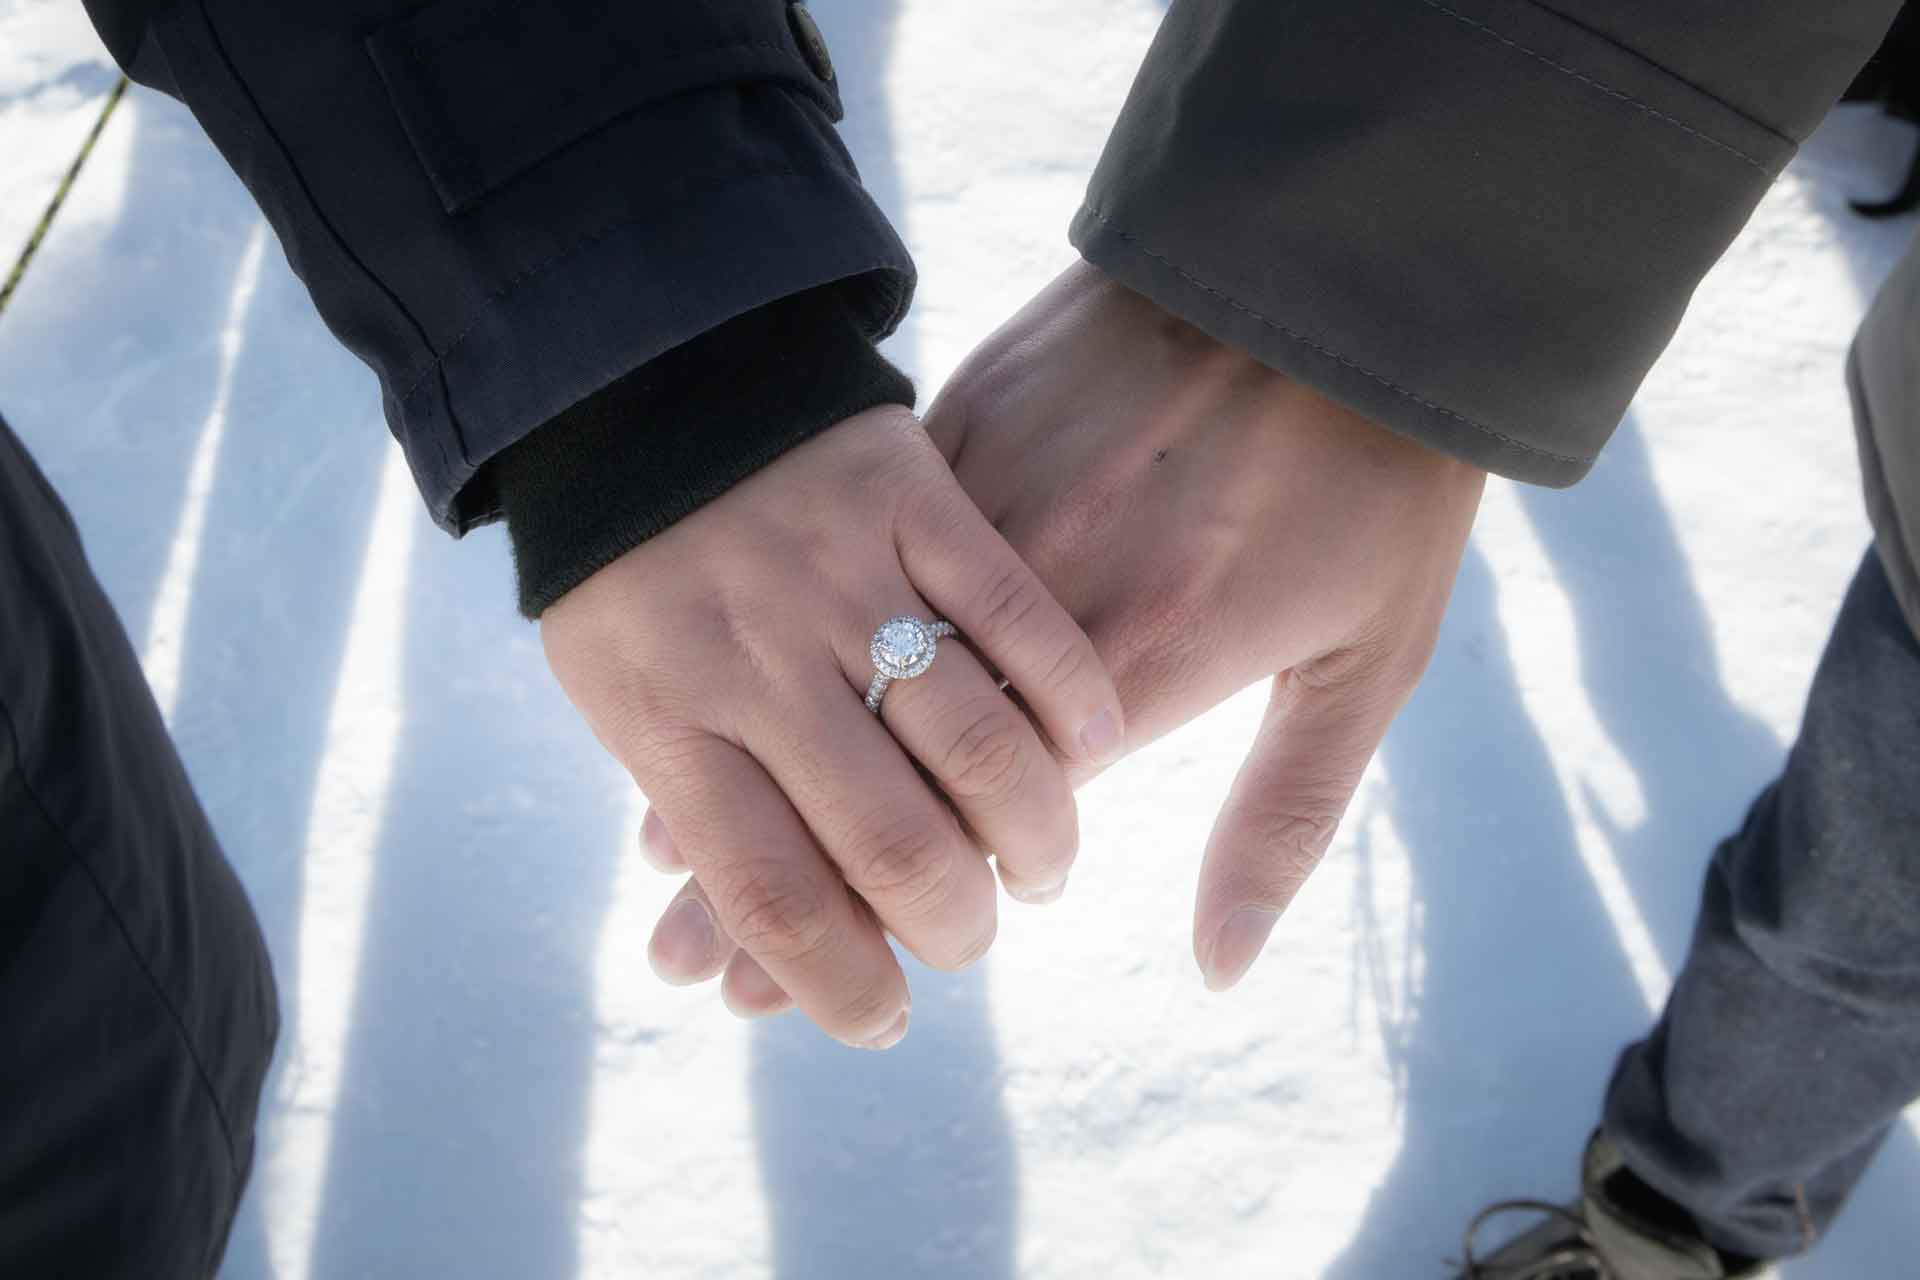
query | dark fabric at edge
[137, 1008]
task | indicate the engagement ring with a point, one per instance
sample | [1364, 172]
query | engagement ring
[902, 648]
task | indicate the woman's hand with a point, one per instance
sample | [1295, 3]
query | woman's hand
[724, 662]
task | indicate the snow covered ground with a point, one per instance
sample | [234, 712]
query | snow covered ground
[480, 1077]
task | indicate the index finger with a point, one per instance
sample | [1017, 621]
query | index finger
[966, 570]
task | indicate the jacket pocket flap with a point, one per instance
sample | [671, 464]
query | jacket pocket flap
[486, 89]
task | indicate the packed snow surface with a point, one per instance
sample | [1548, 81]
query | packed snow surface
[481, 1078]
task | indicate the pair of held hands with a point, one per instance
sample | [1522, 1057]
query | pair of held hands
[1124, 518]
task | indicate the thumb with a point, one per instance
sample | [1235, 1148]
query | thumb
[1322, 725]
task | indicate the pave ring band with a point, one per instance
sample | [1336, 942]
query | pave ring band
[901, 649]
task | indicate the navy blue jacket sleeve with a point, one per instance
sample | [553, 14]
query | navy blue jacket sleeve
[504, 207]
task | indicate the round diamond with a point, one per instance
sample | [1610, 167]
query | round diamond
[902, 648]
[903, 640]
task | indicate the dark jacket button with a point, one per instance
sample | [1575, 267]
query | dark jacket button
[813, 45]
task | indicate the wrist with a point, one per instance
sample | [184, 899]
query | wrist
[1219, 372]
[631, 460]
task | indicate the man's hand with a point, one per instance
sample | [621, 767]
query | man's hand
[723, 663]
[1210, 523]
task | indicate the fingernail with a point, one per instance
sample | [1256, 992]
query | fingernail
[1237, 944]
[1101, 736]
[684, 943]
[1035, 895]
[892, 1036]
[657, 843]
[753, 994]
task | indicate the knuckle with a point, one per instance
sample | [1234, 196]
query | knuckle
[1297, 837]
[967, 956]
[903, 861]
[1067, 669]
[1007, 604]
[1337, 669]
[1292, 840]
[871, 1009]
[776, 912]
[655, 740]
[986, 765]
[1359, 683]
[1371, 661]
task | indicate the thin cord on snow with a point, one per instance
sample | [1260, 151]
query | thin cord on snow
[60, 195]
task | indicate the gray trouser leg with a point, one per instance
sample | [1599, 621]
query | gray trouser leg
[1791, 1040]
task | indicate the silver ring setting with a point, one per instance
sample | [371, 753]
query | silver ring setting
[901, 649]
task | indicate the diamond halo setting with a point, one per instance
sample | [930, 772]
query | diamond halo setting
[901, 649]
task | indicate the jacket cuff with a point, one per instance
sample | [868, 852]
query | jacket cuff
[503, 207]
[629, 460]
[1477, 223]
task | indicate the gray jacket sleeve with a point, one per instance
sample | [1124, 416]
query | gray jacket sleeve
[1475, 221]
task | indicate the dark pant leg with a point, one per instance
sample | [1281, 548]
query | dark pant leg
[137, 1010]
[1791, 1040]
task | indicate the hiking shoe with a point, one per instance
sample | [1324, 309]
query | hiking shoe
[1620, 1229]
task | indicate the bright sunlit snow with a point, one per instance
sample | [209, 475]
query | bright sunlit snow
[479, 1075]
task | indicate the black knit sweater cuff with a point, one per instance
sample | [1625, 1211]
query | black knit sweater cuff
[629, 460]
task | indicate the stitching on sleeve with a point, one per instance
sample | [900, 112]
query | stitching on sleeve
[1329, 352]
[319, 214]
[1607, 89]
